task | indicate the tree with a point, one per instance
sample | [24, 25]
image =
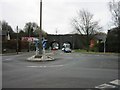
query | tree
[32, 29]
[21, 33]
[85, 25]
[6, 28]
[114, 8]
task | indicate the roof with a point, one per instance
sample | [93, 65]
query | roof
[101, 36]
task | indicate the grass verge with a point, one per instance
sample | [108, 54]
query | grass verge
[91, 52]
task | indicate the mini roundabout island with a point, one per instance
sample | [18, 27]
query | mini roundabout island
[44, 57]
[40, 54]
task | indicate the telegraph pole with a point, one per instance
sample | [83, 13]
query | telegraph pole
[17, 39]
[29, 34]
[40, 35]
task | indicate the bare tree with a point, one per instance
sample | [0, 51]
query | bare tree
[85, 25]
[114, 7]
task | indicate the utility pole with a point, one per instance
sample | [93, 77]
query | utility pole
[17, 39]
[40, 35]
[29, 34]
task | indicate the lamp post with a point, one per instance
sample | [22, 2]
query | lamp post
[8, 37]
[104, 41]
[72, 41]
[104, 45]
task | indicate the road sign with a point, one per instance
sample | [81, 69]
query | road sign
[44, 42]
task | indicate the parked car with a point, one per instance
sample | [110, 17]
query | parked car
[55, 46]
[66, 48]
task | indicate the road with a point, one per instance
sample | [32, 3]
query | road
[0, 72]
[69, 70]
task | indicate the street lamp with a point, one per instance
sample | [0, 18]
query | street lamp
[104, 41]
[8, 36]
[72, 41]
[104, 45]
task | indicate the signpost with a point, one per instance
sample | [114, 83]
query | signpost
[44, 42]
[40, 44]
[36, 41]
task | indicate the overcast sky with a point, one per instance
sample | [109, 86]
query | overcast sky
[57, 14]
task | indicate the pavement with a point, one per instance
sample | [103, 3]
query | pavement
[69, 70]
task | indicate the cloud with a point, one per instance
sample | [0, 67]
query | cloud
[62, 12]
[18, 12]
[56, 13]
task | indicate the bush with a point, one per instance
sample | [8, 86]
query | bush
[24, 44]
[11, 44]
[95, 48]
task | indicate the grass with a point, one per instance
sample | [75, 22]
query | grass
[80, 50]
[91, 52]
[85, 51]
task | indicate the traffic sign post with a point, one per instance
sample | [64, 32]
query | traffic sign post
[39, 44]
[36, 41]
[44, 42]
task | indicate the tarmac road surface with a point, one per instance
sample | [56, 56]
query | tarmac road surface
[69, 70]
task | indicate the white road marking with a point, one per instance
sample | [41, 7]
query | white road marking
[112, 84]
[116, 82]
[97, 55]
[56, 66]
[11, 58]
[46, 66]
[105, 86]
[7, 59]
